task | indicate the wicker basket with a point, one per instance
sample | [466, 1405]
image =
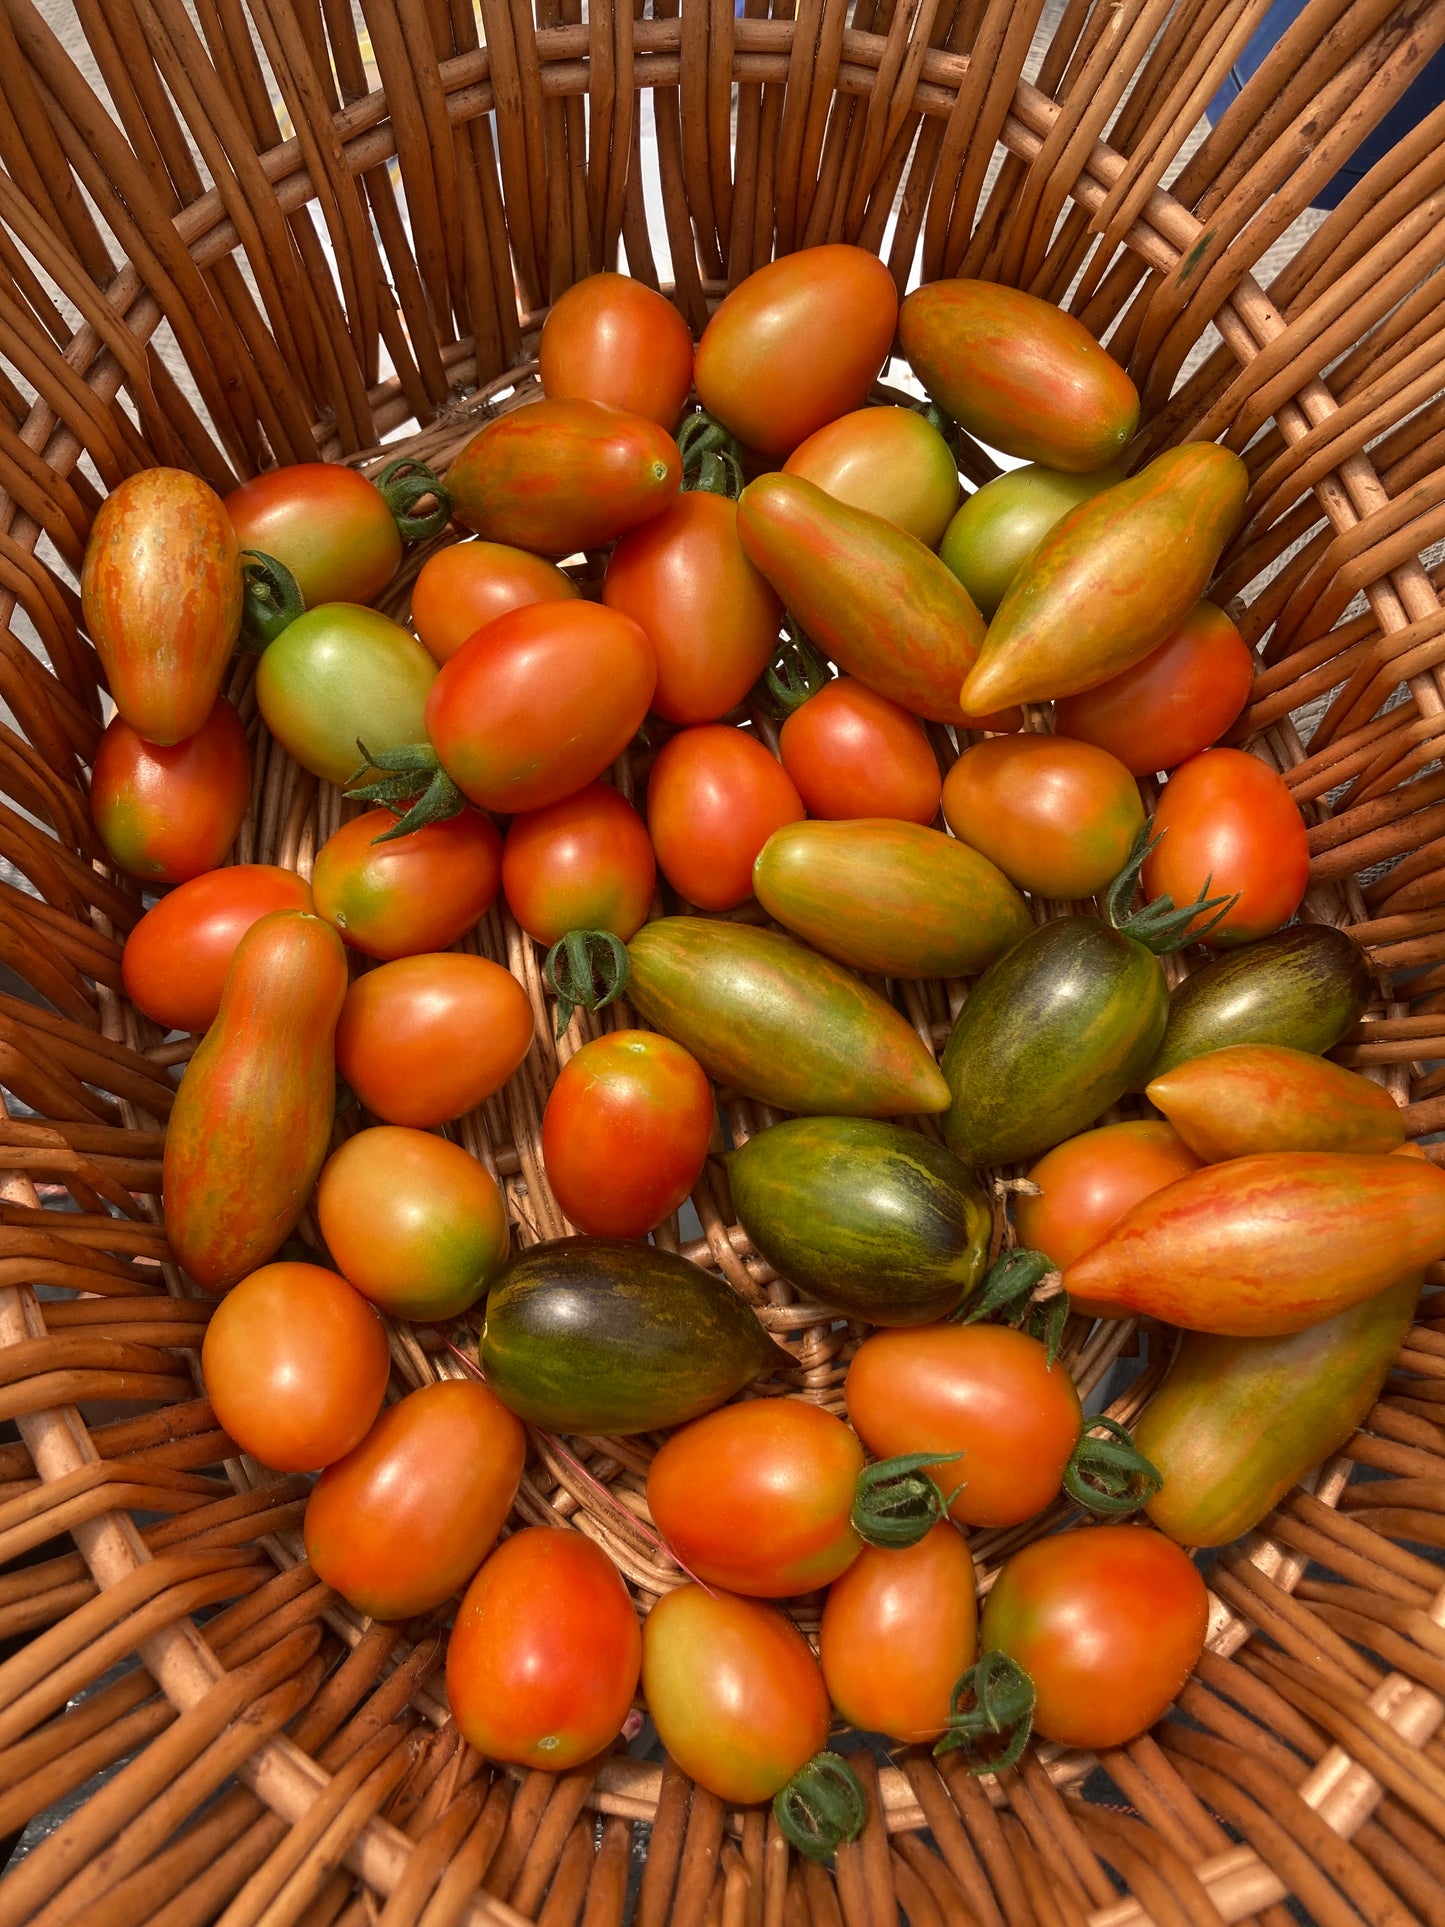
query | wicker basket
[284, 1761]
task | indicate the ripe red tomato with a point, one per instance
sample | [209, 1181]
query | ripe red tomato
[714, 798]
[1087, 1183]
[461, 589]
[1226, 821]
[415, 1223]
[175, 960]
[854, 753]
[1107, 1621]
[167, 814]
[890, 461]
[1057, 817]
[295, 1364]
[544, 1656]
[625, 1132]
[426, 1038]
[420, 892]
[403, 1522]
[984, 1391]
[1171, 705]
[328, 525]
[585, 863]
[610, 338]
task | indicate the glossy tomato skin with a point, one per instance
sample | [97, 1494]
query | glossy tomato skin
[425, 1038]
[169, 814]
[1107, 1621]
[585, 863]
[415, 1222]
[325, 523]
[462, 588]
[175, 961]
[613, 339]
[1058, 818]
[339, 675]
[852, 752]
[544, 1685]
[1087, 1183]
[714, 798]
[1265, 1097]
[1227, 819]
[625, 1132]
[419, 892]
[774, 364]
[757, 1497]
[891, 461]
[736, 1695]
[295, 1364]
[403, 1522]
[987, 1392]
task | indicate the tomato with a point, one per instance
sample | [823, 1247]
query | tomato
[419, 892]
[462, 588]
[711, 618]
[625, 1132]
[1058, 818]
[585, 863]
[328, 525]
[714, 798]
[540, 702]
[403, 1522]
[1227, 822]
[168, 814]
[175, 960]
[415, 1222]
[1107, 1621]
[852, 752]
[900, 1629]
[610, 338]
[543, 1659]
[797, 344]
[891, 461]
[1264, 1097]
[757, 1497]
[735, 1694]
[985, 1392]
[342, 675]
[1089, 1182]
[1176, 702]
[1000, 525]
[295, 1364]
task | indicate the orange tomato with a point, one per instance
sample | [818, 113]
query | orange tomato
[1087, 1183]
[169, 814]
[714, 798]
[461, 589]
[854, 753]
[1226, 821]
[585, 863]
[175, 960]
[1057, 817]
[611, 338]
[418, 892]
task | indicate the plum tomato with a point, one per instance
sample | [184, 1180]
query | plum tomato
[175, 961]
[418, 892]
[714, 798]
[167, 814]
[585, 863]
[613, 339]
[854, 753]
[1087, 1183]
[328, 525]
[1058, 818]
[462, 588]
[890, 461]
[1226, 822]
[339, 675]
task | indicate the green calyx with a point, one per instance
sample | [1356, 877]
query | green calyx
[1160, 926]
[413, 783]
[796, 673]
[712, 459]
[994, 1701]
[1110, 1475]
[895, 1503]
[968, 456]
[822, 1806]
[404, 484]
[270, 599]
[589, 968]
[1020, 1288]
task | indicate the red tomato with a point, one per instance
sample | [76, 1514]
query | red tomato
[295, 1364]
[900, 1629]
[170, 814]
[175, 960]
[415, 1223]
[625, 1132]
[403, 1522]
[426, 1038]
[1107, 1621]
[544, 1656]
[540, 702]
[461, 589]
[984, 1391]
[1087, 1184]
[610, 338]
[1057, 817]
[757, 1497]
[585, 863]
[419, 892]
[854, 753]
[714, 798]
[1227, 822]
[1171, 705]
[328, 525]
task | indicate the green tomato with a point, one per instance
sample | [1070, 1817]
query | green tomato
[999, 527]
[339, 675]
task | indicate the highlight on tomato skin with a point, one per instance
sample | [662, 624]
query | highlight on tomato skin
[168, 814]
[1228, 819]
[714, 798]
[408, 894]
[584, 863]
[1087, 1183]
[852, 753]
[612, 339]
[175, 960]
[460, 589]
[325, 523]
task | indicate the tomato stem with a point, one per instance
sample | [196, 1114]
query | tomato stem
[822, 1806]
[796, 673]
[1160, 926]
[1021, 1287]
[402, 485]
[712, 459]
[271, 599]
[1003, 1697]
[586, 967]
[1110, 1476]
[412, 776]
[895, 1503]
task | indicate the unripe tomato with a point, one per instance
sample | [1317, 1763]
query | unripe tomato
[415, 1223]
[625, 1132]
[325, 523]
[342, 675]
[543, 1659]
[890, 461]
[295, 1364]
[1000, 525]
[854, 753]
[403, 1522]
[418, 892]
[168, 814]
[1087, 1183]
[714, 798]
[1058, 818]
[426, 1038]
[462, 588]
[585, 863]
[175, 960]
[1227, 822]
[610, 338]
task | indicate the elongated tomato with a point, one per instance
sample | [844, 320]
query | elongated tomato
[1226, 819]
[852, 752]
[900, 1629]
[1264, 1097]
[175, 960]
[613, 339]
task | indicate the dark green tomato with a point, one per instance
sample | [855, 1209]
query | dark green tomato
[881, 1222]
[1000, 525]
[339, 674]
[1050, 1037]
[598, 1335]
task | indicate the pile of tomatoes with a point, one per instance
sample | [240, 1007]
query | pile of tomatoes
[800, 914]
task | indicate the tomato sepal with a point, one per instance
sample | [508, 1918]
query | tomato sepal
[1110, 1476]
[412, 775]
[1003, 1699]
[271, 599]
[796, 673]
[589, 968]
[712, 459]
[1021, 1287]
[404, 483]
[895, 1503]
[1160, 926]
[822, 1806]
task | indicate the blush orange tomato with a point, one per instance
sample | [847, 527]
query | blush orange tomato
[462, 588]
[584, 863]
[1227, 822]
[1057, 817]
[175, 960]
[852, 753]
[417, 892]
[1087, 1183]
[613, 339]
[169, 814]
[328, 525]
[714, 798]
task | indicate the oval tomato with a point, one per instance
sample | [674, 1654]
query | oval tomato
[585, 863]
[415, 1222]
[342, 675]
[852, 752]
[1226, 822]
[295, 1364]
[403, 1522]
[418, 892]
[625, 1132]
[462, 588]
[613, 339]
[328, 525]
[175, 960]
[1087, 1184]
[1265, 1097]
[714, 798]
[891, 461]
[1000, 525]
[1058, 818]
[168, 814]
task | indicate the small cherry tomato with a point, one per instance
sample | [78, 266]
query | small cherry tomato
[342, 675]
[625, 1132]
[418, 892]
[295, 1364]
[414, 1222]
[1058, 818]
[403, 1522]
[613, 339]
[854, 753]
[169, 814]
[891, 462]
[543, 1660]
[585, 863]
[175, 960]
[714, 798]
[328, 525]
[428, 1037]
[1001, 524]
[1087, 1183]
[1227, 823]
[461, 589]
